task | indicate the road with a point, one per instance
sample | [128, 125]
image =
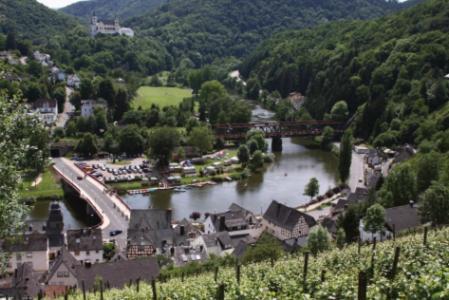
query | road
[114, 213]
[356, 178]
[64, 116]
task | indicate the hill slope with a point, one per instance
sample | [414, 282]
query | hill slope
[32, 19]
[422, 273]
[206, 29]
[108, 9]
[391, 70]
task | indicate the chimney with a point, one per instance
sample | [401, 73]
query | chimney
[222, 226]
[182, 230]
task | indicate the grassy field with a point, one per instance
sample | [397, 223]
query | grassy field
[162, 96]
[49, 187]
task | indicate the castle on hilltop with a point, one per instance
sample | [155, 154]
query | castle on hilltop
[108, 27]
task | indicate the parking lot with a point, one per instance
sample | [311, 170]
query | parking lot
[136, 170]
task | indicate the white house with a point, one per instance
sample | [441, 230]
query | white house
[73, 81]
[236, 220]
[43, 58]
[87, 108]
[46, 110]
[285, 222]
[219, 244]
[62, 271]
[86, 245]
[30, 248]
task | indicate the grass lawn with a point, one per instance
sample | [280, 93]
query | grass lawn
[162, 96]
[49, 186]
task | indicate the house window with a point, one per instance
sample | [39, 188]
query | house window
[62, 274]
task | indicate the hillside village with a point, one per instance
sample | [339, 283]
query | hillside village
[208, 150]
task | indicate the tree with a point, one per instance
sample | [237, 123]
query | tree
[11, 43]
[318, 240]
[131, 141]
[86, 89]
[202, 138]
[243, 154]
[252, 146]
[326, 138]
[435, 204]
[375, 218]
[106, 91]
[253, 88]
[87, 146]
[340, 239]
[312, 188]
[349, 222]
[121, 103]
[339, 111]
[267, 247]
[399, 187]
[345, 159]
[256, 161]
[162, 142]
[428, 169]
[259, 137]
[16, 129]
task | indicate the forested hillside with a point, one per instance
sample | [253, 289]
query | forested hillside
[391, 70]
[32, 19]
[108, 9]
[203, 30]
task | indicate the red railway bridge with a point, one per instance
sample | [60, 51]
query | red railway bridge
[277, 130]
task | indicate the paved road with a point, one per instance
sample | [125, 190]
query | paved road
[64, 116]
[356, 178]
[115, 215]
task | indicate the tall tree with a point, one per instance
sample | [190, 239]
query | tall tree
[349, 221]
[16, 129]
[312, 188]
[375, 218]
[318, 240]
[243, 154]
[162, 142]
[435, 205]
[202, 138]
[428, 169]
[345, 159]
[11, 43]
[131, 141]
[88, 145]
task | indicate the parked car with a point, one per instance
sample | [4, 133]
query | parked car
[115, 232]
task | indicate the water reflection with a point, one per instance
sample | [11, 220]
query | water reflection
[283, 180]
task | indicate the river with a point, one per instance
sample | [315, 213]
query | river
[283, 180]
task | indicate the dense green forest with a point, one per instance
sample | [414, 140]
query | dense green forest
[390, 70]
[108, 9]
[203, 30]
[33, 20]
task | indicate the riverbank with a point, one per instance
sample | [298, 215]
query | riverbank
[49, 186]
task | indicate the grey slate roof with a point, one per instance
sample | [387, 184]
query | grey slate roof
[84, 240]
[360, 195]
[66, 259]
[402, 217]
[286, 217]
[223, 239]
[27, 243]
[236, 216]
[150, 227]
[24, 283]
[117, 274]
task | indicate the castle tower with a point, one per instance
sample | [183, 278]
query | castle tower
[93, 25]
[116, 24]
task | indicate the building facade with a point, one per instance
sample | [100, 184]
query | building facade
[108, 27]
